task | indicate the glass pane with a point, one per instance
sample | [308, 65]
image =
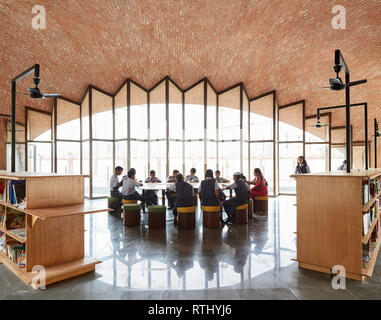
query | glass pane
[338, 136]
[20, 133]
[175, 157]
[211, 114]
[338, 155]
[229, 114]
[245, 159]
[121, 155]
[358, 157]
[291, 123]
[229, 159]
[194, 112]
[39, 157]
[261, 118]
[39, 126]
[138, 113]
[175, 112]
[314, 134]
[102, 168]
[288, 154]
[261, 156]
[120, 101]
[158, 123]
[317, 157]
[20, 157]
[68, 157]
[139, 158]
[85, 116]
[158, 161]
[211, 151]
[86, 165]
[245, 117]
[68, 120]
[194, 157]
[101, 115]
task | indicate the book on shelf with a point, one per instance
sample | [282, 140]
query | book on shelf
[365, 193]
[3, 239]
[14, 251]
[18, 232]
[16, 191]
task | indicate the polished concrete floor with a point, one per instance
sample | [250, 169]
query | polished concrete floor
[253, 261]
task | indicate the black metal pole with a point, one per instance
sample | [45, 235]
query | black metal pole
[13, 133]
[366, 136]
[348, 122]
[375, 142]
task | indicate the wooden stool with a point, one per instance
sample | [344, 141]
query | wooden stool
[156, 217]
[261, 204]
[251, 208]
[129, 201]
[112, 203]
[131, 214]
[211, 216]
[187, 217]
[240, 215]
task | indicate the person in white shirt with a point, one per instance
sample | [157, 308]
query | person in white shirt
[152, 194]
[192, 176]
[129, 189]
[115, 184]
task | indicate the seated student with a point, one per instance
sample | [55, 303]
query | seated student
[192, 176]
[240, 197]
[114, 188]
[171, 195]
[343, 166]
[184, 194]
[260, 185]
[129, 189]
[152, 194]
[219, 178]
[208, 190]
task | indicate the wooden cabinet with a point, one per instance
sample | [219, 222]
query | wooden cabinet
[54, 225]
[330, 222]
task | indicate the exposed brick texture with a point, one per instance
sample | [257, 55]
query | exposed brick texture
[283, 45]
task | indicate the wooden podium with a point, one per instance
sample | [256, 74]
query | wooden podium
[54, 225]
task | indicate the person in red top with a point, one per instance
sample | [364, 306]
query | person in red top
[260, 185]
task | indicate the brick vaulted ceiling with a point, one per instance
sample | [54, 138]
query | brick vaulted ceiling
[283, 45]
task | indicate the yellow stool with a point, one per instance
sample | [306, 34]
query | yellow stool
[261, 203]
[240, 215]
[129, 201]
[211, 216]
[187, 217]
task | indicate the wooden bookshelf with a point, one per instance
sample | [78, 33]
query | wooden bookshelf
[329, 222]
[54, 224]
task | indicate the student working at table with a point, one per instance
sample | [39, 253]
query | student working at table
[171, 195]
[184, 194]
[241, 196]
[152, 194]
[192, 176]
[129, 189]
[221, 194]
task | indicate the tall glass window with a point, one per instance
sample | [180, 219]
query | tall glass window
[229, 136]
[20, 147]
[245, 136]
[317, 143]
[39, 141]
[158, 130]
[338, 147]
[291, 141]
[102, 168]
[211, 129]
[101, 115]
[261, 132]
[120, 103]
[194, 129]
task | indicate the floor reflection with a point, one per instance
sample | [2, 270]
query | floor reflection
[171, 259]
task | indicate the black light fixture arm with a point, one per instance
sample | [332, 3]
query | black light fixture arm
[36, 70]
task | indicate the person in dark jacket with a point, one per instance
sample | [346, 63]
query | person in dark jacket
[241, 191]
[208, 190]
[302, 166]
[184, 195]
